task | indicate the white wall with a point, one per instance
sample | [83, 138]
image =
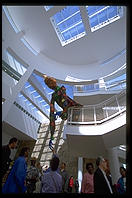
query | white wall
[5, 138]
[7, 85]
[22, 122]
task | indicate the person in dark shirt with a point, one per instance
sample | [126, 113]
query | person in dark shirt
[102, 186]
[6, 151]
[64, 175]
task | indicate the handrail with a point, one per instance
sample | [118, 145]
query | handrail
[98, 113]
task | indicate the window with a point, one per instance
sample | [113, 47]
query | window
[18, 67]
[100, 16]
[68, 24]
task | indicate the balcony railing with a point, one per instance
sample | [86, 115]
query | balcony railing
[116, 85]
[97, 114]
[115, 81]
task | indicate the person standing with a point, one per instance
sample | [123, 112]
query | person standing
[71, 183]
[52, 180]
[121, 183]
[87, 182]
[6, 151]
[64, 175]
[101, 183]
[16, 181]
[32, 176]
[76, 186]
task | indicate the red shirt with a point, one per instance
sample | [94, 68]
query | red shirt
[71, 182]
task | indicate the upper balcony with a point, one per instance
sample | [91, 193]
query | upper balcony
[112, 84]
[99, 113]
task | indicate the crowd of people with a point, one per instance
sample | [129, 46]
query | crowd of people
[100, 180]
[55, 179]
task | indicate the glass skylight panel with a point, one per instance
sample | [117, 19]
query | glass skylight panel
[35, 93]
[41, 81]
[100, 16]
[15, 64]
[68, 24]
[11, 61]
[27, 85]
[19, 67]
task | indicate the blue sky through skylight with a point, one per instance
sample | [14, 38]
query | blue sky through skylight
[100, 16]
[68, 24]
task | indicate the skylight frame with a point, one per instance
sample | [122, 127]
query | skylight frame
[75, 27]
[109, 19]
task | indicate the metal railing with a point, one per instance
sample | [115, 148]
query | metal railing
[97, 114]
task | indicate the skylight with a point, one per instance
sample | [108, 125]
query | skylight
[68, 24]
[100, 16]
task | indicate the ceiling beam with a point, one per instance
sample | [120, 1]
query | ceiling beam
[85, 19]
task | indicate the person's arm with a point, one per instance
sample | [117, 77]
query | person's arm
[54, 153]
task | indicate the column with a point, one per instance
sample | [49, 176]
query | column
[80, 170]
[15, 91]
[114, 164]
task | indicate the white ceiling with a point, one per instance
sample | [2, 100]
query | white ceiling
[95, 47]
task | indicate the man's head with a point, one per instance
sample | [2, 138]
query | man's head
[13, 143]
[54, 163]
[90, 168]
[123, 171]
[24, 152]
[101, 163]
